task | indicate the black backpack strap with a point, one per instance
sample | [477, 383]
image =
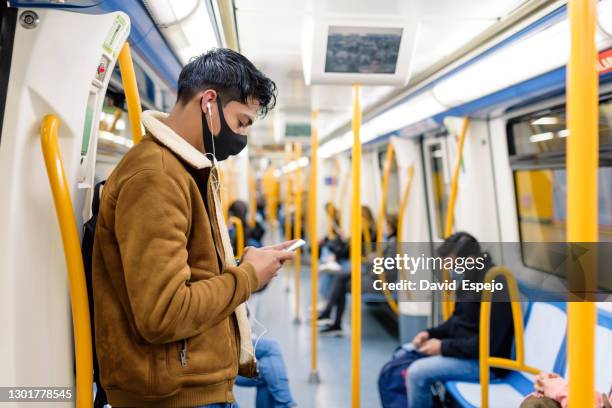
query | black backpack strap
[95, 203]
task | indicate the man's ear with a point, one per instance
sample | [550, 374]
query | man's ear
[208, 98]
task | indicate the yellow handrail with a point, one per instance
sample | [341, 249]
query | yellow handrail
[237, 222]
[582, 195]
[252, 196]
[314, 242]
[297, 229]
[404, 206]
[130, 88]
[447, 303]
[486, 361]
[356, 253]
[81, 324]
[379, 225]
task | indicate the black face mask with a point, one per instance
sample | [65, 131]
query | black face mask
[227, 142]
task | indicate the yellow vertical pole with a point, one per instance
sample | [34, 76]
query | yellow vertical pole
[356, 253]
[130, 88]
[314, 242]
[582, 163]
[252, 196]
[288, 199]
[447, 304]
[297, 228]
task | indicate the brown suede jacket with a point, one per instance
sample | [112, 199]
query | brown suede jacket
[167, 293]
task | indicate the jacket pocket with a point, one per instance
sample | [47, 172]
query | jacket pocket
[210, 352]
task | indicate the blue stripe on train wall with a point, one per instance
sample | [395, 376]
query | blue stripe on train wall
[145, 39]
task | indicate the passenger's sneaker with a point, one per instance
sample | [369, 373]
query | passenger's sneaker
[324, 322]
[332, 331]
[331, 266]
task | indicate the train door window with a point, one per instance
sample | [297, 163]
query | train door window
[537, 156]
[437, 174]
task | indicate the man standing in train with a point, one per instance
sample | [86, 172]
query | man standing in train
[170, 320]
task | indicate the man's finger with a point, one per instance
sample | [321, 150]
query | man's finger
[284, 255]
[281, 246]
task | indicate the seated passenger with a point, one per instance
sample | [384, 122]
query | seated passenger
[253, 236]
[272, 382]
[389, 249]
[449, 351]
[333, 249]
[551, 391]
[341, 286]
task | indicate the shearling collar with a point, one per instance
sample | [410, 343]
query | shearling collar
[169, 138]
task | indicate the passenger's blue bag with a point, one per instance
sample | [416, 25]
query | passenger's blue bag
[391, 381]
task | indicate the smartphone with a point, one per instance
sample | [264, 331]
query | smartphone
[296, 245]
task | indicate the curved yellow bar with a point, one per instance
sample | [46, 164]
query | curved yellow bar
[447, 304]
[582, 223]
[356, 253]
[81, 324]
[239, 235]
[380, 221]
[404, 206]
[314, 240]
[486, 361]
[130, 88]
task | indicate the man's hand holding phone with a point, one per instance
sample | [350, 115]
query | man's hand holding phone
[268, 260]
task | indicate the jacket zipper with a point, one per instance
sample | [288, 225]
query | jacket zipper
[183, 353]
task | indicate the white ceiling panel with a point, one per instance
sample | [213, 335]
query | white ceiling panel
[270, 34]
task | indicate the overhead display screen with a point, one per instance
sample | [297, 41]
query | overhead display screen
[362, 50]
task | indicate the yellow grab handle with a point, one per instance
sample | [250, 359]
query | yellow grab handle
[486, 361]
[130, 88]
[239, 235]
[81, 324]
[447, 303]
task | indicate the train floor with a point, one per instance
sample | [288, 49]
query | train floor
[274, 308]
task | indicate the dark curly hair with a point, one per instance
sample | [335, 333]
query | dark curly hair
[229, 73]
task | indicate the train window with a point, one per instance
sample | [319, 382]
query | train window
[538, 140]
[537, 156]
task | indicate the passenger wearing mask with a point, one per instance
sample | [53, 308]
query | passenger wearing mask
[449, 351]
[341, 286]
[170, 321]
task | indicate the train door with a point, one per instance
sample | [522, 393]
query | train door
[437, 174]
[60, 65]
